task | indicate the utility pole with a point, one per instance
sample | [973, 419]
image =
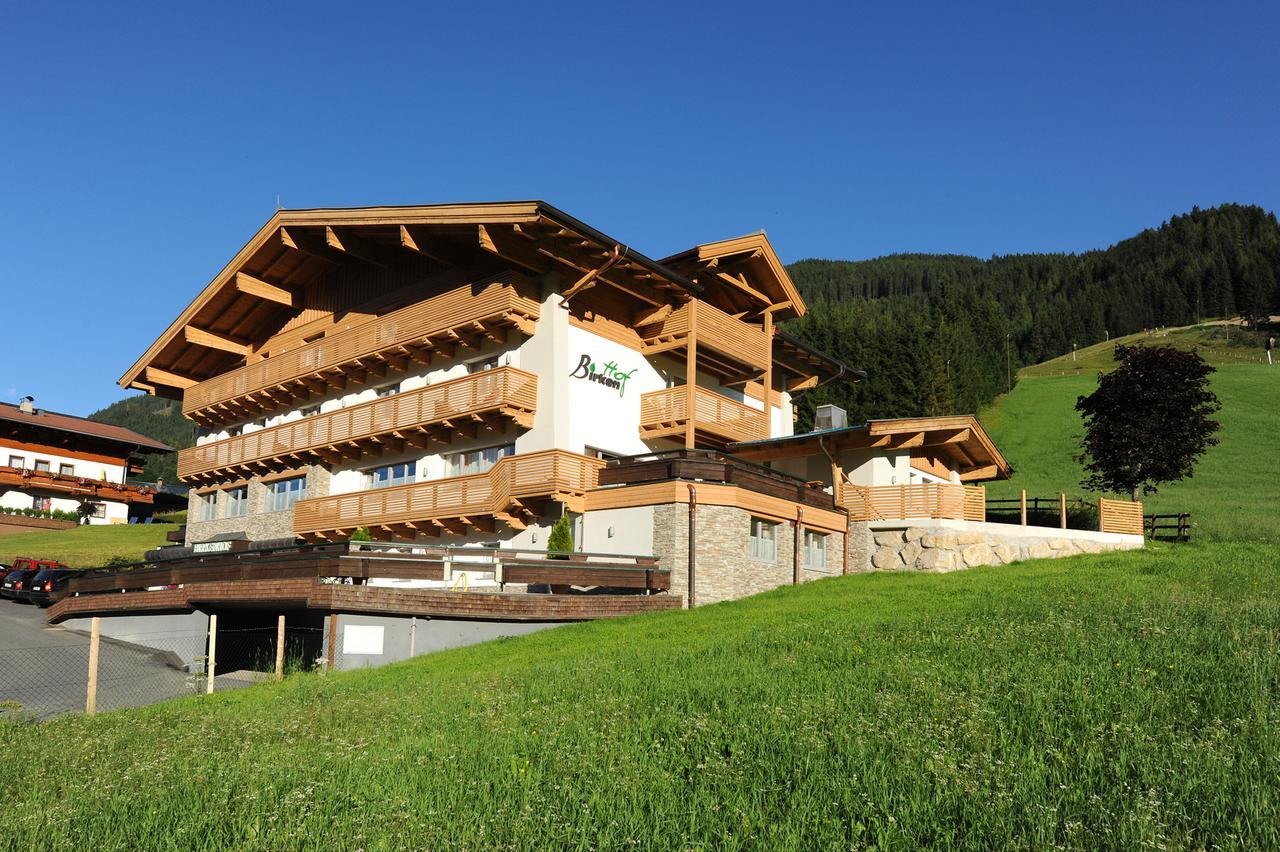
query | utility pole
[1073, 352]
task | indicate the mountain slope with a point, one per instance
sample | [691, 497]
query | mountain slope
[156, 418]
[943, 334]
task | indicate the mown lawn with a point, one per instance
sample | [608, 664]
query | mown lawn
[85, 546]
[1235, 492]
[1118, 701]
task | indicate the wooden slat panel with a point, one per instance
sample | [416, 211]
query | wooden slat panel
[550, 473]
[894, 502]
[718, 331]
[506, 390]
[1120, 516]
[494, 302]
[975, 503]
[714, 414]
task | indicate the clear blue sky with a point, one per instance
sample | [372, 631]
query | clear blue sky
[141, 146]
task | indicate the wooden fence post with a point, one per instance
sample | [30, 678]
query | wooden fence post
[1062, 508]
[213, 654]
[333, 640]
[1102, 525]
[95, 640]
[280, 648]
[1022, 506]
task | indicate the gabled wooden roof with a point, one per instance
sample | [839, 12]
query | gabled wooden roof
[270, 280]
[744, 270]
[961, 439]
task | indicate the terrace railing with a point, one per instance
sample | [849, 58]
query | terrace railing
[415, 415]
[921, 500]
[666, 412]
[743, 342]
[439, 320]
[429, 507]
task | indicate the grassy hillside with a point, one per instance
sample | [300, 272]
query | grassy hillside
[160, 419]
[1233, 493]
[85, 547]
[1112, 701]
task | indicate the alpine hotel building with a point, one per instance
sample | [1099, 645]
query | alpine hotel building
[461, 374]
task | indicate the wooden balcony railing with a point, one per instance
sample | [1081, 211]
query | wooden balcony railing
[922, 500]
[457, 505]
[741, 342]
[664, 413]
[459, 317]
[75, 487]
[417, 417]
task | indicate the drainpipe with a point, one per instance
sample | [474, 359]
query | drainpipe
[693, 541]
[797, 535]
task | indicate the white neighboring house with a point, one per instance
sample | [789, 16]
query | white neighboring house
[57, 462]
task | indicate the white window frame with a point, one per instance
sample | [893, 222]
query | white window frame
[65, 469]
[48, 468]
[375, 478]
[815, 550]
[207, 506]
[237, 501]
[478, 460]
[764, 539]
[99, 510]
[21, 462]
[282, 494]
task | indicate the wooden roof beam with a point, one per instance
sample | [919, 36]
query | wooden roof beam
[157, 376]
[247, 284]
[416, 238]
[213, 340]
[497, 241]
[348, 243]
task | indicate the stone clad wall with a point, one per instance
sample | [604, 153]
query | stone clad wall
[725, 569]
[257, 523]
[943, 548]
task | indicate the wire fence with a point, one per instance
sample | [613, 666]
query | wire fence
[78, 673]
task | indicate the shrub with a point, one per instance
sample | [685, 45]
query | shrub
[361, 534]
[561, 537]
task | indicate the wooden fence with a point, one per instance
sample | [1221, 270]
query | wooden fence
[1169, 527]
[1120, 516]
[922, 500]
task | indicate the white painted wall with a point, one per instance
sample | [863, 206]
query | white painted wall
[99, 471]
[632, 531]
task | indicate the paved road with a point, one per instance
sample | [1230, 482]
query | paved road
[45, 669]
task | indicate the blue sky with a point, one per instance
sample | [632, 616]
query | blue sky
[140, 146]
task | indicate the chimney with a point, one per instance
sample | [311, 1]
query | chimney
[25, 406]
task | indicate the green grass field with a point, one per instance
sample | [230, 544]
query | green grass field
[1117, 701]
[86, 546]
[1234, 493]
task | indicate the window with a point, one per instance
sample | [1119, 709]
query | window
[603, 455]
[764, 540]
[99, 510]
[42, 504]
[237, 501]
[207, 506]
[17, 461]
[235, 431]
[67, 469]
[311, 411]
[42, 464]
[482, 365]
[390, 475]
[477, 461]
[283, 493]
[388, 390]
[815, 550]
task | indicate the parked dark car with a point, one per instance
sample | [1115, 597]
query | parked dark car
[46, 583]
[14, 582]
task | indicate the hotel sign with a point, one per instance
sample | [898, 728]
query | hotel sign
[607, 374]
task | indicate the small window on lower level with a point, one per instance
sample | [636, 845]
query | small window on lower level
[764, 540]
[283, 493]
[99, 510]
[237, 501]
[42, 504]
[42, 465]
[207, 506]
[67, 469]
[17, 461]
[815, 550]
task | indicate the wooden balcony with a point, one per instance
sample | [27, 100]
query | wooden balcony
[433, 414]
[440, 325]
[725, 343]
[73, 487]
[717, 420]
[922, 500]
[511, 492]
